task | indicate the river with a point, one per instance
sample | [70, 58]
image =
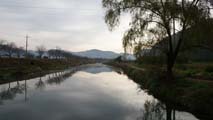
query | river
[90, 92]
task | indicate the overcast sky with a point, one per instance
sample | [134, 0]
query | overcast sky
[74, 25]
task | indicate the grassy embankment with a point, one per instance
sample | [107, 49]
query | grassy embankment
[19, 69]
[191, 91]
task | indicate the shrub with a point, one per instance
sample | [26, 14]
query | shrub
[209, 69]
[152, 60]
[181, 66]
[190, 73]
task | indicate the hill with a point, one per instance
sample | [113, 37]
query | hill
[94, 53]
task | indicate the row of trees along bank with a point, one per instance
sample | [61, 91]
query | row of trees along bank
[11, 50]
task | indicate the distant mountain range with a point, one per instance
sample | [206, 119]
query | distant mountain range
[94, 53]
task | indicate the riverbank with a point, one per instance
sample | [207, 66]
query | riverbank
[185, 93]
[12, 69]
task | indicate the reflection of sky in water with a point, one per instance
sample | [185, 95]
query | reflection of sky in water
[97, 68]
[96, 93]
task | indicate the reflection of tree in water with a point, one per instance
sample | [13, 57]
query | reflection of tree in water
[59, 77]
[152, 111]
[40, 84]
[11, 93]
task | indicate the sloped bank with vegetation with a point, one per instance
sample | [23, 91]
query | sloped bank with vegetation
[12, 69]
[185, 94]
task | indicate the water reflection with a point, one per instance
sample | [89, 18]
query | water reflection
[58, 78]
[40, 84]
[83, 93]
[153, 110]
[11, 92]
[97, 69]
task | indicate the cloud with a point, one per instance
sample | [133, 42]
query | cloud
[71, 24]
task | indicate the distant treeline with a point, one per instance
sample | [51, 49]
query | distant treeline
[11, 50]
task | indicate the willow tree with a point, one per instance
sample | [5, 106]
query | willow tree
[153, 20]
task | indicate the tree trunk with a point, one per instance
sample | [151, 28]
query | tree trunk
[168, 113]
[169, 73]
[174, 116]
[170, 63]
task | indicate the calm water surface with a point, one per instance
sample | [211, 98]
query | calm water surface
[92, 92]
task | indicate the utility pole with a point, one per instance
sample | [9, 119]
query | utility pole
[27, 37]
